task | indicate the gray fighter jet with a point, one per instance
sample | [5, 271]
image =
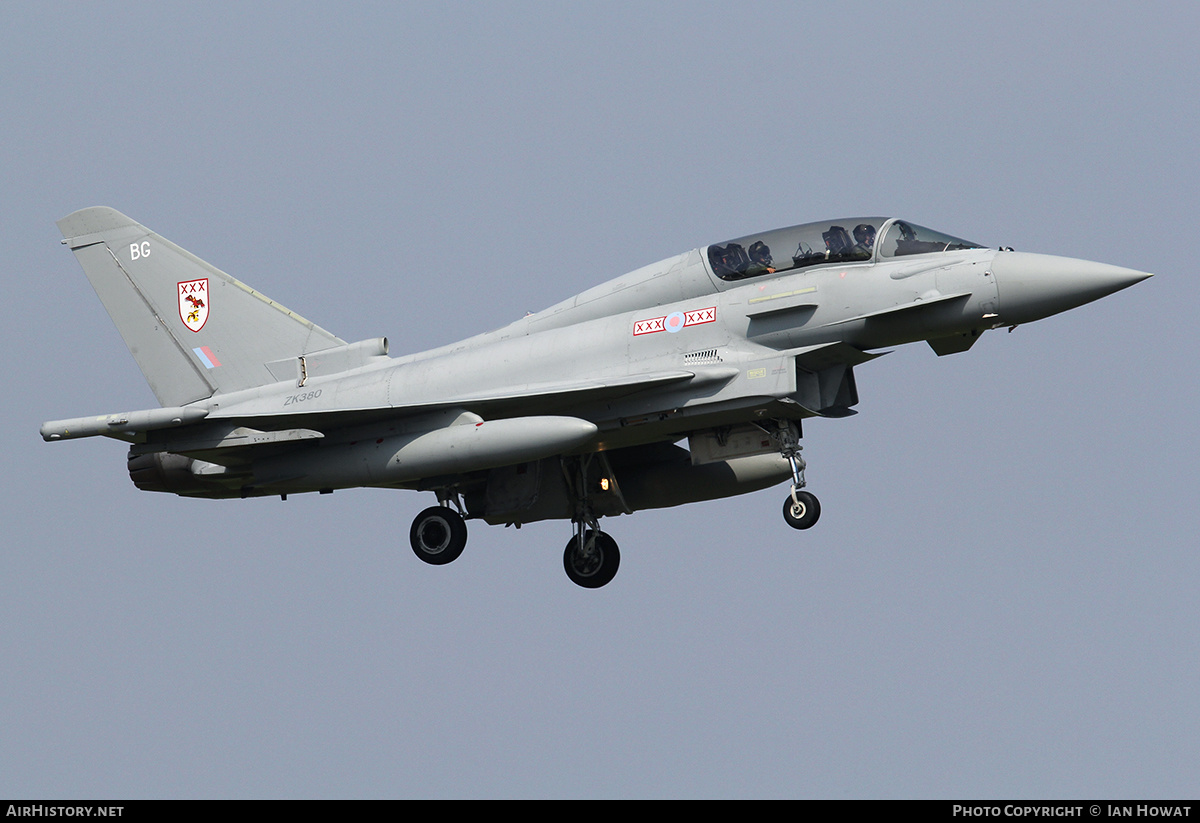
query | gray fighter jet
[577, 412]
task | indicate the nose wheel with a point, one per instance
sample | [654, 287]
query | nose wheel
[801, 509]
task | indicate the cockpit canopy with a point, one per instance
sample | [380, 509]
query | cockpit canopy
[851, 240]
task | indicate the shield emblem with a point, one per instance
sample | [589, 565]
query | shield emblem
[193, 303]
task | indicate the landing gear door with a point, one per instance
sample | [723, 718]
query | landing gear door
[727, 442]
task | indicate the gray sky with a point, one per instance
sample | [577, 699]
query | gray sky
[1000, 599]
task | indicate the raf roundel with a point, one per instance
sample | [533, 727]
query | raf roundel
[674, 322]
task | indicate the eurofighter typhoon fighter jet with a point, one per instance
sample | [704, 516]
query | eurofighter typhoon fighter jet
[683, 381]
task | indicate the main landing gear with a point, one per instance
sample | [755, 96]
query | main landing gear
[591, 558]
[438, 535]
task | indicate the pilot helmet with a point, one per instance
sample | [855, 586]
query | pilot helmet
[760, 253]
[864, 234]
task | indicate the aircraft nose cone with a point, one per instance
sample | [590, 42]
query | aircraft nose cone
[1033, 286]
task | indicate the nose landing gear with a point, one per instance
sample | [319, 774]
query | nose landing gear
[801, 509]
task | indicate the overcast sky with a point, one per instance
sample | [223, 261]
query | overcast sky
[1000, 599]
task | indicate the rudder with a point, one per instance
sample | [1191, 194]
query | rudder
[193, 330]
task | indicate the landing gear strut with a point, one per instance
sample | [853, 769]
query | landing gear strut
[591, 557]
[801, 509]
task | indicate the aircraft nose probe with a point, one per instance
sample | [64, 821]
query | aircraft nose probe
[1033, 286]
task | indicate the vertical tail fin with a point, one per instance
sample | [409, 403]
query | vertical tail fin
[193, 330]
